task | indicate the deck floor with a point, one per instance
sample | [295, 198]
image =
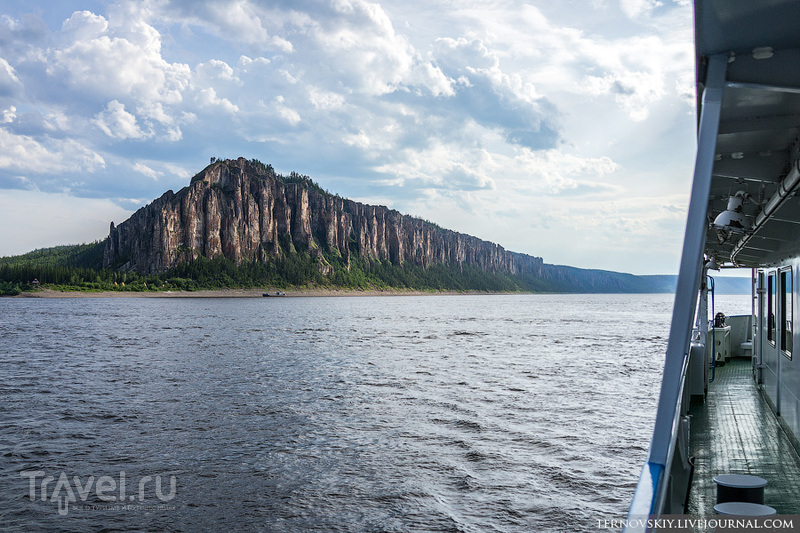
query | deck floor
[735, 432]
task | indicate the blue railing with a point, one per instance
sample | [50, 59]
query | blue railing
[655, 488]
[654, 493]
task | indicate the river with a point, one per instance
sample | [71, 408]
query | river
[509, 413]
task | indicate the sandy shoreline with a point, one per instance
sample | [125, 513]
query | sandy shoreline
[227, 293]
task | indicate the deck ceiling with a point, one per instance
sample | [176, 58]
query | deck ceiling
[757, 142]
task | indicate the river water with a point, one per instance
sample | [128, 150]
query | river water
[432, 413]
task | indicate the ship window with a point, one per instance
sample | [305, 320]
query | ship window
[771, 309]
[786, 313]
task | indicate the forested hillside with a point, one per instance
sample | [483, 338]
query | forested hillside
[239, 224]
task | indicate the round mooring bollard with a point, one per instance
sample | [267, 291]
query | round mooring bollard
[740, 488]
[739, 510]
[744, 509]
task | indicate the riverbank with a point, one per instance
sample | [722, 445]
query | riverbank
[228, 293]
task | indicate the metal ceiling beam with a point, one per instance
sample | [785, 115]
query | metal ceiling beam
[775, 73]
[753, 167]
[737, 125]
[785, 220]
[763, 87]
[783, 193]
[754, 256]
[744, 178]
[769, 238]
[756, 248]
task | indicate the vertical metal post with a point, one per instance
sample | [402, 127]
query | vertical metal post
[752, 304]
[702, 325]
[761, 291]
[779, 307]
[691, 268]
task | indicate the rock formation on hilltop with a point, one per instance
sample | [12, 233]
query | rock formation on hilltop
[244, 211]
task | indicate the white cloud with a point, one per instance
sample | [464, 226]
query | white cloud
[555, 171]
[45, 219]
[426, 74]
[118, 123]
[22, 153]
[168, 173]
[246, 63]
[441, 166]
[173, 134]
[9, 82]
[362, 49]
[19, 152]
[282, 44]
[599, 221]
[84, 25]
[241, 17]
[635, 9]
[633, 69]
[114, 61]
[464, 111]
[155, 111]
[286, 113]
[634, 92]
[208, 98]
[322, 99]
[252, 23]
[368, 55]
[463, 53]
[685, 88]
[361, 140]
[143, 169]
[636, 72]
[177, 171]
[9, 115]
[215, 69]
[495, 98]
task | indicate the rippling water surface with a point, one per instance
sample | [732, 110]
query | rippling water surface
[433, 413]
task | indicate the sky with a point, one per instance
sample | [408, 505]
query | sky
[565, 130]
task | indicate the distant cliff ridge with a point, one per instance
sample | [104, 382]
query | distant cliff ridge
[243, 210]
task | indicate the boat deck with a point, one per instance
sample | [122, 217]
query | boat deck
[736, 432]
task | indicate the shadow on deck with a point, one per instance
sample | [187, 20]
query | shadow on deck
[735, 432]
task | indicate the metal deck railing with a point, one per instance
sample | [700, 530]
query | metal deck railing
[656, 490]
[736, 432]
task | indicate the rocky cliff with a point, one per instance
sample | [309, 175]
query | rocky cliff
[242, 210]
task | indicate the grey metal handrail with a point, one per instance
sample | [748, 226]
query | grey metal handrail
[654, 480]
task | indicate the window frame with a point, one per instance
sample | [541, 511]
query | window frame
[786, 282]
[771, 325]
